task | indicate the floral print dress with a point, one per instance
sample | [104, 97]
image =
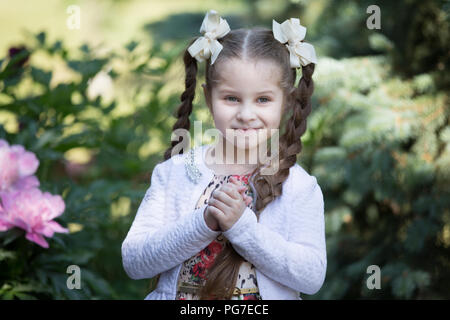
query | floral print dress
[192, 273]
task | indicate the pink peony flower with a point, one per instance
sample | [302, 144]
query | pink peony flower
[33, 211]
[17, 167]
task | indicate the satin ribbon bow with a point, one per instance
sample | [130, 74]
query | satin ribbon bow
[213, 27]
[293, 32]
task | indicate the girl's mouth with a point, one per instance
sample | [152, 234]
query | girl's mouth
[247, 129]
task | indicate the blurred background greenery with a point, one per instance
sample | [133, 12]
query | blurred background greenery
[95, 105]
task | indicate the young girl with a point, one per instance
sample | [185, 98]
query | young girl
[217, 230]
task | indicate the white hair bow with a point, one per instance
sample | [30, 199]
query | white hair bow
[213, 27]
[293, 32]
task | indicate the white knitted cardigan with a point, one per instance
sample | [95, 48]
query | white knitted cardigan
[286, 246]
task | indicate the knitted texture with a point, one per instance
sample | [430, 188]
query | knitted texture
[287, 245]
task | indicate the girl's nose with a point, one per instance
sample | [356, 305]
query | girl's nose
[246, 113]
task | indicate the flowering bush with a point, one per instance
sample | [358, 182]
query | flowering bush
[57, 113]
[22, 205]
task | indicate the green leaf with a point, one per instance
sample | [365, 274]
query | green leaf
[41, 37]
[57, 46]
[109, 108]
[11, 235]
[4, 255]
[418, 233]
[41, 76]
[47, 137]
[97, 283]
[87, 68]
[405, 285]
[131, 45]
[24, 296]
[85, 48]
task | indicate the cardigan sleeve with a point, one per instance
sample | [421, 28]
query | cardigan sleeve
[153, 246]
[298, 262]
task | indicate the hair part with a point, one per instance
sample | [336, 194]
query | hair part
[251, 44]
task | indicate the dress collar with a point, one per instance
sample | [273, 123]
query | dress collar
[197, 170]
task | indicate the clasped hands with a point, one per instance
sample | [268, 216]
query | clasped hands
[226, 205]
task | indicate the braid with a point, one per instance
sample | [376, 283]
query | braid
[269, 187]
[225, 269]
[185, 108]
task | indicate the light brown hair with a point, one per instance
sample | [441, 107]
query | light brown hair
[256, 43]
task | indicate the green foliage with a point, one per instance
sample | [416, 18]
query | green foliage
[378, 146]
[414, 34]
[102, 195]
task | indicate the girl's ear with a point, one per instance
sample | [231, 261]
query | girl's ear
[207, 97]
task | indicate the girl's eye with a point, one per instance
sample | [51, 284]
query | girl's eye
[234, 99]
[227, 98]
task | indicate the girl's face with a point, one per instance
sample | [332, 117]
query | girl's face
[248, 96]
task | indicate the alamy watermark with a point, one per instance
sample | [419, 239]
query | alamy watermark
[374, 20]
[374, 280]
[74, 280]
[74, 19]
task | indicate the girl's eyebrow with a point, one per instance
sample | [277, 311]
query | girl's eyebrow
[234, 91]
[266, 91]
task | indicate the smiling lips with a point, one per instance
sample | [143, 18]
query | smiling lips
[247, 130]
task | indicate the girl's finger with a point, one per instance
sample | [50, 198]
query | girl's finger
[232, 191]
[225, 195]
[217, 213]
[238, 184]
[235, 181]
[242, 190]
[218, 204]
[240, 187]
